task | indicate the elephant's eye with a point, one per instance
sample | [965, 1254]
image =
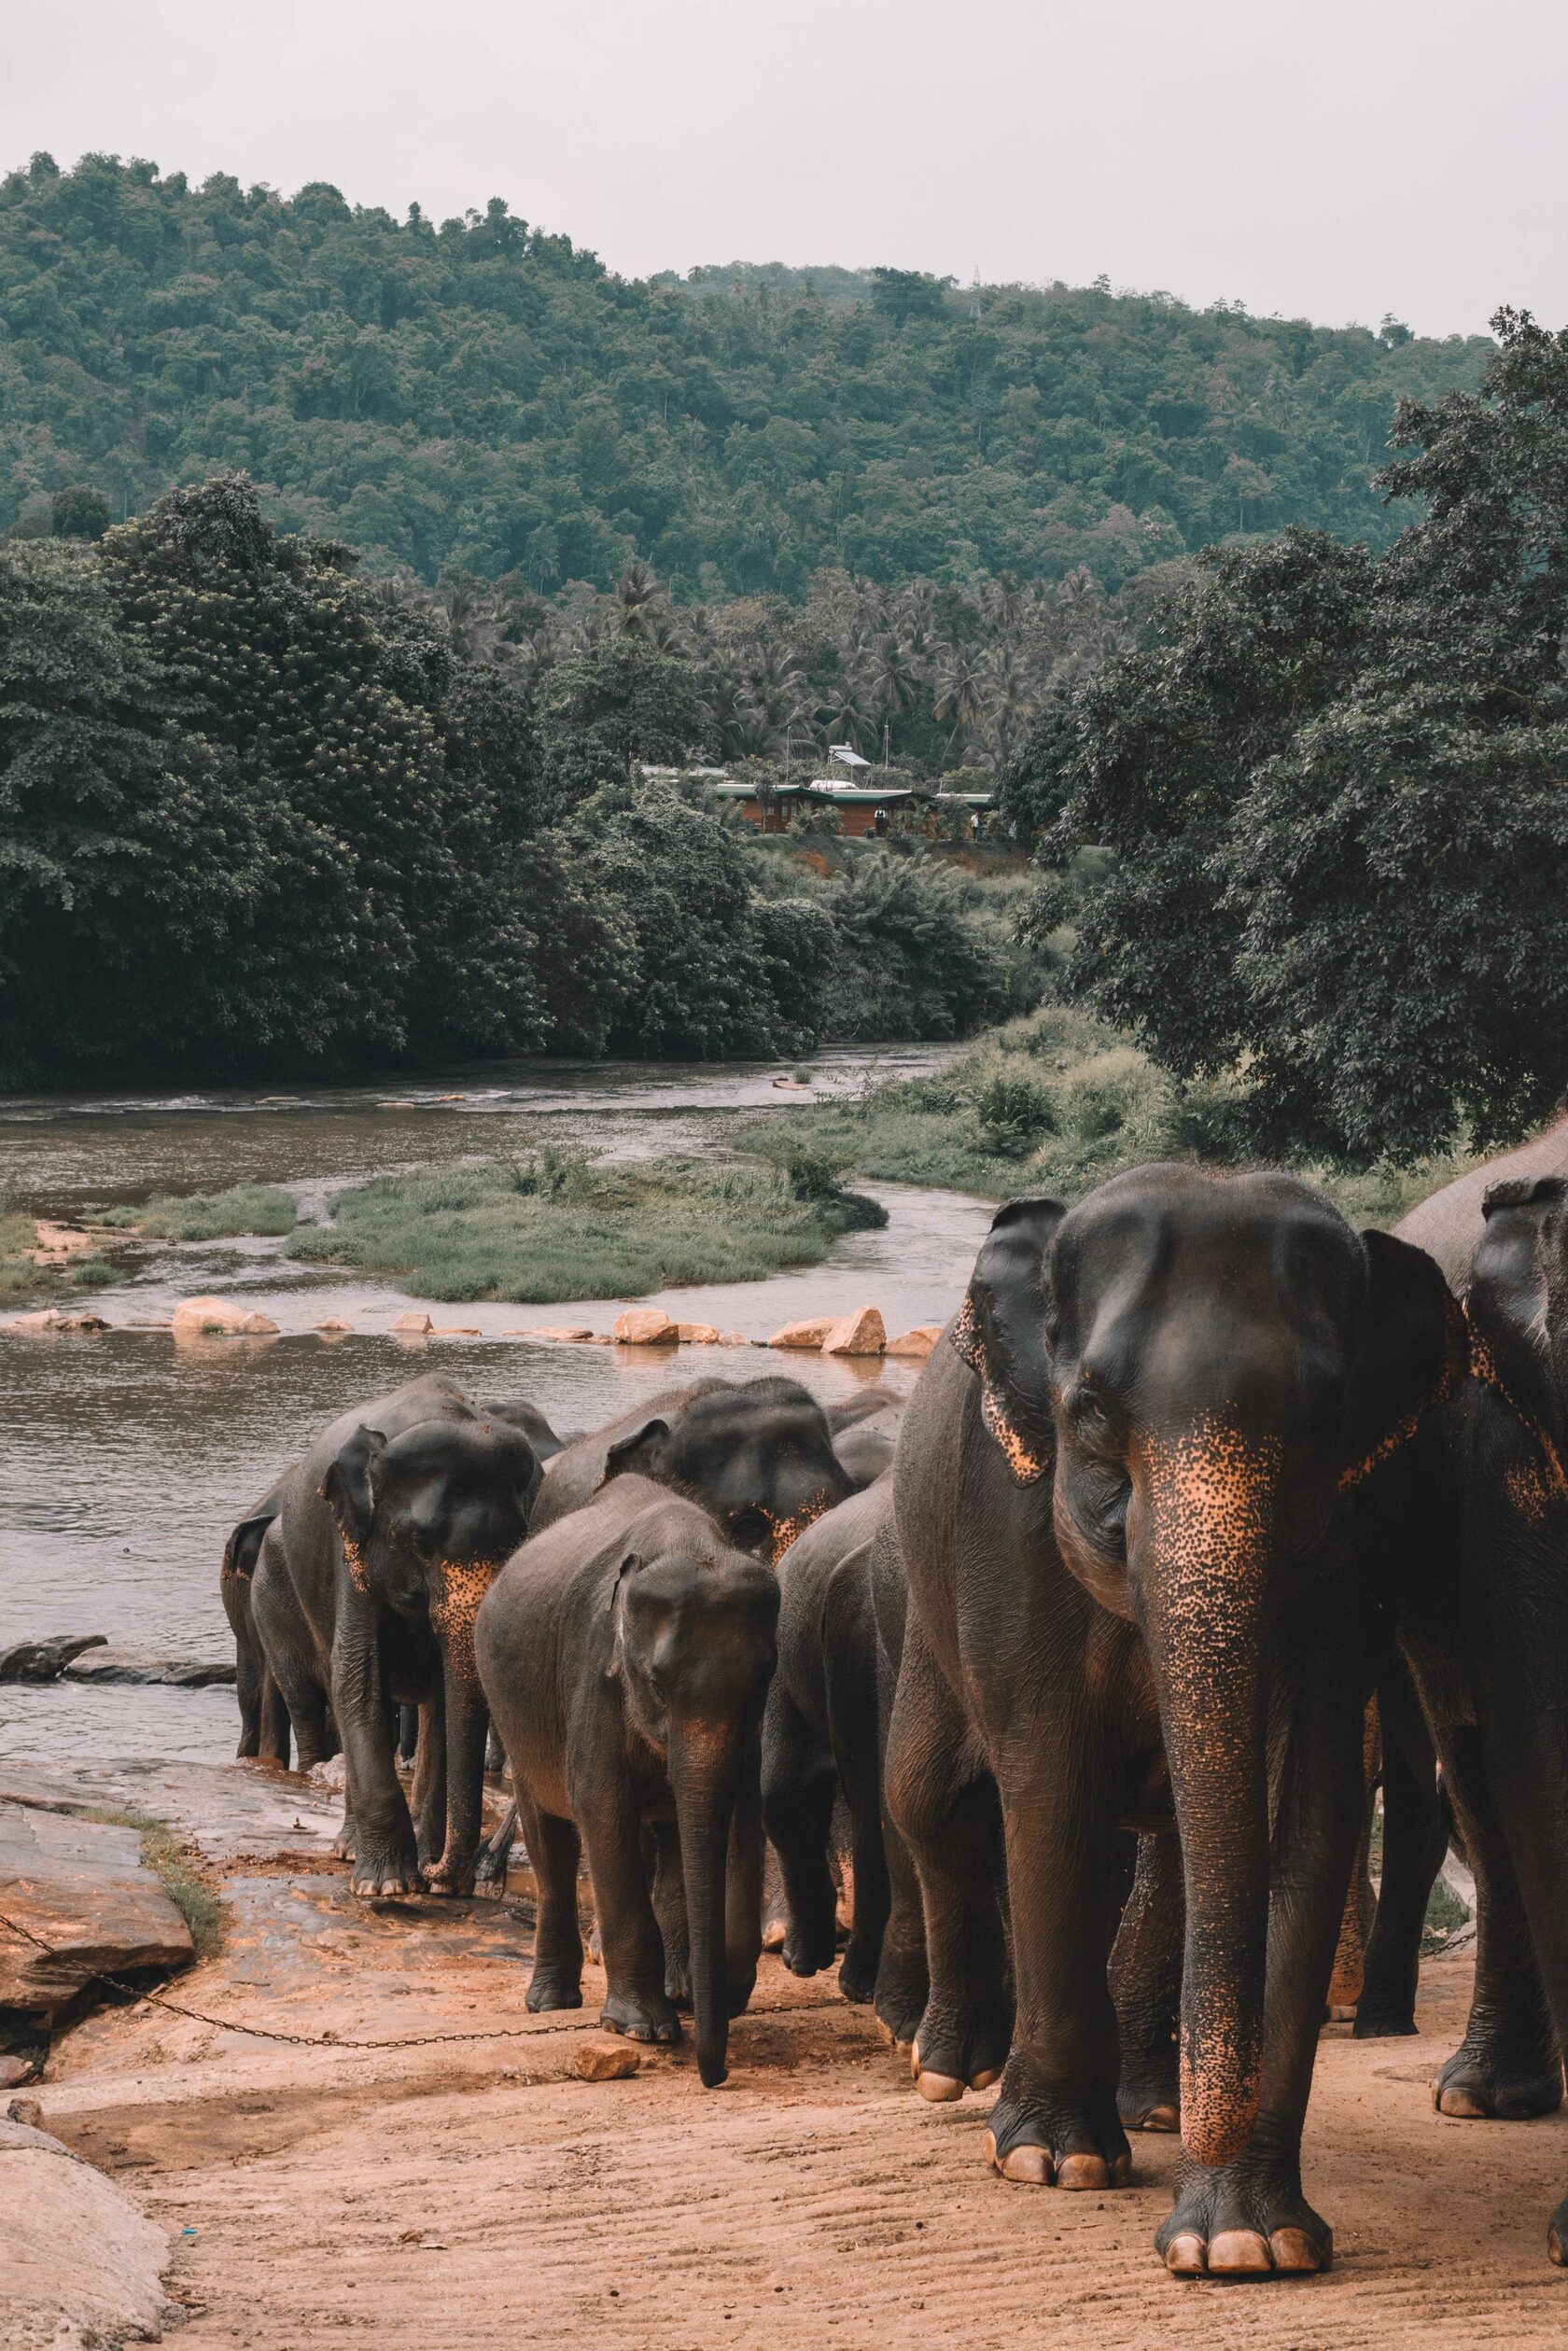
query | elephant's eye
[1091, 1414]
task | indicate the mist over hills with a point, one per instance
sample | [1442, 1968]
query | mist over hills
[479, 395]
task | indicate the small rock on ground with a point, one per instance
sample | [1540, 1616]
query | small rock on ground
[603, 2058]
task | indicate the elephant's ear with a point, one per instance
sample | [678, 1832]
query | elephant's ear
[856, 1408]
[1000, 1330]
[244, 1546]
[630, 1562]
[347, 1487]
[1515, 1278]
[1413, 1353]
[641, 1454]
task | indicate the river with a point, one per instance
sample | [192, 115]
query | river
[124, 1459]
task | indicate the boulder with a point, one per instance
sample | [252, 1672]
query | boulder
[646, 1327]
[107, 1662]
[83, 2265]
[697, 1333]
[917, 1342]
[12, 2070]
[220, 1318]
[46, 1660]
[731, 1339]
[603, 2058]
[333, 1329]
[562, 1332]
[858, 1333]
[81, 1889]
[804, 1334]
[413, 1324]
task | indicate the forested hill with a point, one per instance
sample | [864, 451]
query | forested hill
[482, 396]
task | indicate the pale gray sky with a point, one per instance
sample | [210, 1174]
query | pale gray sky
[1336, 159]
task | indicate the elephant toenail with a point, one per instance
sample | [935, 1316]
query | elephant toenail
[939, 2088]
[1029, 2165]
[1186, 2256]
[1239, 2253]
[1463, 2104]
[1161, 2119]
[984, 2078]
[1295, 2253]
[1555, 2249]
[1083, 2171]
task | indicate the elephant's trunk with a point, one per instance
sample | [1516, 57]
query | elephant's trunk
[455, 1605]
[1203, 1548]
[704, 1763]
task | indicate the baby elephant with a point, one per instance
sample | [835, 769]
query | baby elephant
[625, 1653]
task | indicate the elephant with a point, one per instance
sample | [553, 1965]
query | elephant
[865, 1453]
[1152, 1561]
[1448, 1223]
[264, 1720]
[821, 1737]
[1485, 1633]
[625, 1653]
[757, 1454]
[296, 1667]
[391, 1530]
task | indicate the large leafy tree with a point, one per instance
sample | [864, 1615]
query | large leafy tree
[1338, 796]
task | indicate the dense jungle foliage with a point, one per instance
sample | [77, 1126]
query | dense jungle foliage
[480, 395]
[257, 812]
[1333, 788]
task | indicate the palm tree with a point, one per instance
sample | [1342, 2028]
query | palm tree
[959, 680]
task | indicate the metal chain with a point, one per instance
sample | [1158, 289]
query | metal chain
[334, 2040]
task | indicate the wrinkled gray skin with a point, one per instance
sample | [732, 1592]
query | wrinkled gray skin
[390, 1530]
[1449, 1224]
[264, 1719]
[625, 1654]
[821, 1737]
[1486, 1634]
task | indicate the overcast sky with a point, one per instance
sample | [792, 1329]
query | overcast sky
[1335, 158]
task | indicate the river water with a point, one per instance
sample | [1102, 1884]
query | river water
[125, 1459]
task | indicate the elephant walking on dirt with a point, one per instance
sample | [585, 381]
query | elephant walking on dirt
[1133, 1489]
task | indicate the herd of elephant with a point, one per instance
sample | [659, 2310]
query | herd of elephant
[1206, 1515]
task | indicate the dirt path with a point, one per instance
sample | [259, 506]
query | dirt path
[460, 2196]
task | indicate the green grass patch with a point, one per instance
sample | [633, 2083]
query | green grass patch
[558, 1225]
[244, 1208]
[185, 1883]
[24, 1283]
[1056, 1102]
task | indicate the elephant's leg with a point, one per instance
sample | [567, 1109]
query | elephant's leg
[1348, 1980]
[1055, 2122]
[495, 1753]
[429, 1777]
[407, 1734]
[249, 1675]
[797, 1808]
[903, 1981]
[1146, 1987]
[662, 1848]
[944, 1807]
[743, 1895]
[1508, 2064]
[857, 1970]
[385, 1858]
[556, 1849]
[274, 1726]
[636, 2001]
[1249, 2217]
[490, 1870]
[1415, 1838]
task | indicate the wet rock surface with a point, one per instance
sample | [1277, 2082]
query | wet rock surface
[78, 1903]
[46, 1660]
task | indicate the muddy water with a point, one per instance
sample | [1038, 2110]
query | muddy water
[125, 1459]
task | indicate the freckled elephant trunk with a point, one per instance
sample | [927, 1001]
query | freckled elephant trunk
[1204, 1580]
[467, 1725]
[704, 1772]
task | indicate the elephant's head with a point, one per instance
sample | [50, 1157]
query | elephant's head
[1518, 1308]
[757, 1454]
[1203, 1366]
[692, 1644]
[426, 1519]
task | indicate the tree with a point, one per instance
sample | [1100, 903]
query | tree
[603, 712]
[79, 513]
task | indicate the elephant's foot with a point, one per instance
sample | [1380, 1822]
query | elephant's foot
[640, 2017]
[737, 1994]
[857, 1974]
[386, 1869]
[1052, 2144]
[1383, 2020]
[1557, 2236]
[556, 1986]
[490, 1875]
[1484, 2080]
[345, 1843]
[449, 1876]
[960, 2050]
[1148, 2099]
[902, 1992]
[678, 1984]
[809, 1949]
[1247, 2220]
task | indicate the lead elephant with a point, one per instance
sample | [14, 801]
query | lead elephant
[1131, 1493]
[625, 1653]
[391, 1530]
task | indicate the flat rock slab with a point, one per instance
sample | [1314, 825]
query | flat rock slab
[83, 2264]
[82, 1888]
[108, 1663]
[231, 1812]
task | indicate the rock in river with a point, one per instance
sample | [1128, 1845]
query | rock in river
[46, 1660]
[83, 1904]
[108, 1663]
